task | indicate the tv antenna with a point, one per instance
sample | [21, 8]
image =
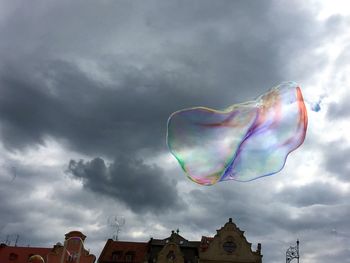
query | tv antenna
[16, 241]
[10, 239]
[116, 223]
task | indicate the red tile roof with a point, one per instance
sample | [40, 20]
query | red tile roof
[20, 254]
[139, 249]
[205, 241]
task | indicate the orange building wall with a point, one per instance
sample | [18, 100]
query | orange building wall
[9, 254]
[72, 251]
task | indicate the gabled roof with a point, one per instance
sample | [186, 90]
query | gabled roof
[139, 249]
[233, 244]
[205, 242]
[21, 253]
[175, 238]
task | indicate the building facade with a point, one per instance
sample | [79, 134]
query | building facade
[229, 245]
[15, 254]
[72, 251]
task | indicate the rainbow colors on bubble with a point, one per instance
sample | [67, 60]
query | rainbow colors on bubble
[243, 142]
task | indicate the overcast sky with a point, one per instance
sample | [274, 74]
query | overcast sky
[86, 88]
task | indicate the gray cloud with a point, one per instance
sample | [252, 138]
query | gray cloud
[204, 56]
[337, 161]
[143, 188]
[341, 254]
[311, 194]
[93, 120]
[275, 219]
[338, 110]
[103, 77]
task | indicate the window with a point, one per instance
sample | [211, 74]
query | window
[229, 246]
[72, 257]
[13, 256]
[129, 256]
[117, 256]
[171, 256]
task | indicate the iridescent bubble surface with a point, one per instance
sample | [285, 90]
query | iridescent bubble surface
[316, 107]
[243, 142]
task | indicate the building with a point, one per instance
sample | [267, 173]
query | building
[174, 248]
[228, 246]
[71, 251]
[14, 254]
[121, 251]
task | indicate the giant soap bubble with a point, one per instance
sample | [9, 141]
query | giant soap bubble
[36, 259]
[243, 142]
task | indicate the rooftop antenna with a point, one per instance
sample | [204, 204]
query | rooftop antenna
[293, 253]
[17, 237]
[116, 223]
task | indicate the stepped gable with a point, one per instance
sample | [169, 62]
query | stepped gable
[229, 245]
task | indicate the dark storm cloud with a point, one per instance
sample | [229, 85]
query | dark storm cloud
[219, 62]
[94, 120]
[143, 188]
[156, 57]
